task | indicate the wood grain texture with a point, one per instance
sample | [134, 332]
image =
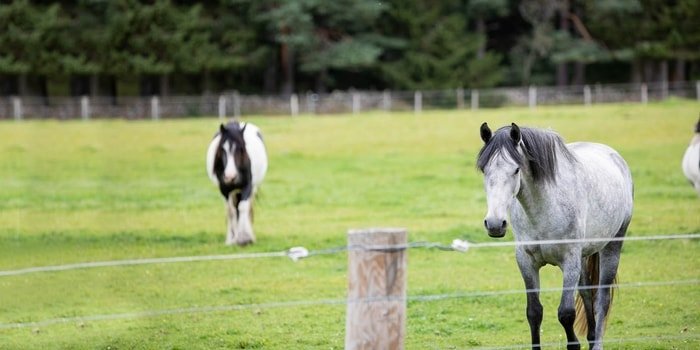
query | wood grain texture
[376, 310]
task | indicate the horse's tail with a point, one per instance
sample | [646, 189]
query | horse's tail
[592, 273]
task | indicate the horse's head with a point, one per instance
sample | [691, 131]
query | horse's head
[231, 156]
[500, 160]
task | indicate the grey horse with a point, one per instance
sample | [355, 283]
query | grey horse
[580, 192]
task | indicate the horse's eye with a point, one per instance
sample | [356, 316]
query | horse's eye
[517, 170]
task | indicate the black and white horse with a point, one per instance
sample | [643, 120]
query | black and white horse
[236, 163]
[691, 160]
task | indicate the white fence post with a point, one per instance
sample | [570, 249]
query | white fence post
[664, 89]
[17, 107]
[376, 308]
[475, 100]
[222, 107]
[586, 95]
[356, 106]
[294, 104]
[460, 98]
[697, 89]
[84, 108]
[236, 104]
[417, 102]
[532, 97]
[386, 100]
[155, 108]
[645, 93]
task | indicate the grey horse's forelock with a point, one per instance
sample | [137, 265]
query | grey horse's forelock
[541, 149]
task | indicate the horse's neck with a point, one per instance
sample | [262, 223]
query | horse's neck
[533, 197]
[539, 197]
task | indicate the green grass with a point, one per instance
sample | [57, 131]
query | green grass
[75, 192]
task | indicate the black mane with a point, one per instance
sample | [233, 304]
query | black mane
[232, 132]
[540, 148]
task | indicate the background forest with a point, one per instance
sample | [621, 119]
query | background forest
[126, 47]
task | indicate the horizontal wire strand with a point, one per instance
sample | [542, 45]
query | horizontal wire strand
[302, 303]
[329, 251]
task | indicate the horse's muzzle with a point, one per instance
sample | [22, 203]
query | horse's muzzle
[496, 228]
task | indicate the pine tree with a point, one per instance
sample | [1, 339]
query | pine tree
[440, 51]
[322, 36]
[29, 44]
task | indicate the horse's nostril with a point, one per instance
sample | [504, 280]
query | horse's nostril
[486, 224]
[504, 224]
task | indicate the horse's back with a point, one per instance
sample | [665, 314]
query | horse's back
[255, 146]
[691, 165]
[211, 156]
[607, 183]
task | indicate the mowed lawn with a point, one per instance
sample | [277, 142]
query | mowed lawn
[74, 192]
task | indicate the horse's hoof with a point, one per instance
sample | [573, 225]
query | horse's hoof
[244, 243]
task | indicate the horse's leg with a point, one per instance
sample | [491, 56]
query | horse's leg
[232, 213]
[531, 276]
[245, 233]
[609, 261]
[571, 269]
[587, 298]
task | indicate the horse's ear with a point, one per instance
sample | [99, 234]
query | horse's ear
[243, 128]
[515, 133]
[485, 132]
[222, 128]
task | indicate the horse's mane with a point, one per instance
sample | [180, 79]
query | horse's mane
[234, 133]
[541, 148]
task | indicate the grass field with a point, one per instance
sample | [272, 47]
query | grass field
[103, 190]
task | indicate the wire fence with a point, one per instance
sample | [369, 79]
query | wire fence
[297, 253]
[327, 302]
[236, 104]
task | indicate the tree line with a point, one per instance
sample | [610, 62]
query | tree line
[128, 47]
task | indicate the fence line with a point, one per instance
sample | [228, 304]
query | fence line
[297, 253]
[236, 104]
[322, 302]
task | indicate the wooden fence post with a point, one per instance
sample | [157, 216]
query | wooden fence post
[460, 98]
[155, 108]
[236, 104]
[376, 309]
[17, 107]
[532, 96]
[222, 107]
[587, 95]
[664, 89]
[386, 100]
[645, 94]
[475, 99]
[294, 104]
[85, 108]
[417, 102]
[356, 104]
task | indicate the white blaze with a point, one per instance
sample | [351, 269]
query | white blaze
[230, 171]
